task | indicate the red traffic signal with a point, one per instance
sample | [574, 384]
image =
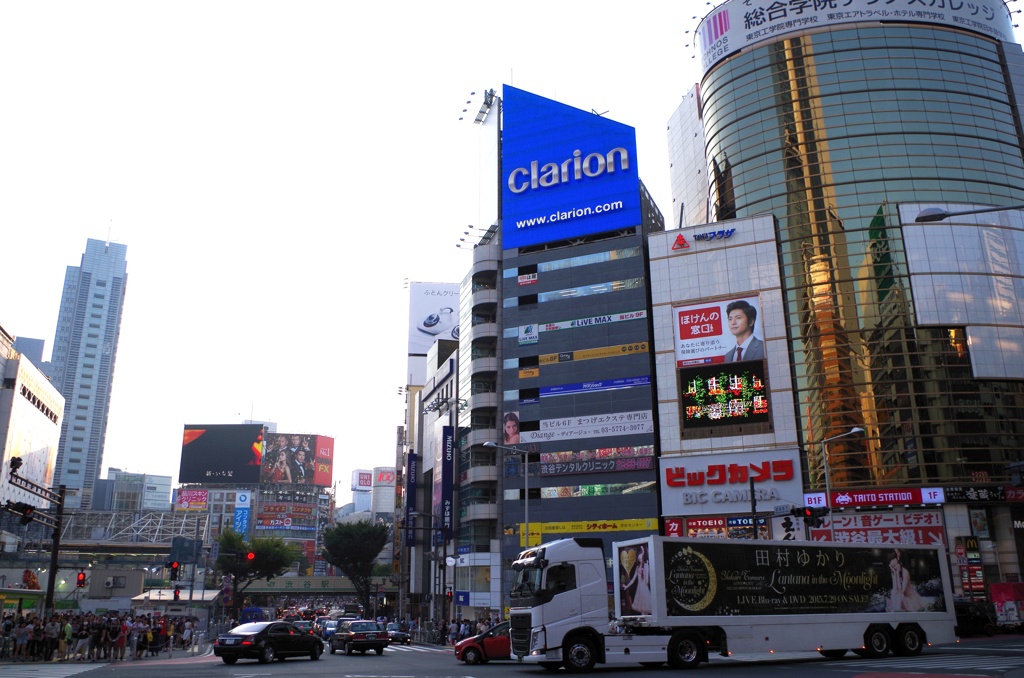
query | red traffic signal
[80, 581]
[814, 516]
[250, 556]
[175, 566]
[177, 593]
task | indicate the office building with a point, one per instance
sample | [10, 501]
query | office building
[82, 363]
[30, 416]
[124, 491]
[576, 366]
[893, 350]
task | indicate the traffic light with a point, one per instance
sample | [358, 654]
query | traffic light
[250, 556]
[174, 565]
[26, 511]
[814, 516]
[80, 581]
[177, 593]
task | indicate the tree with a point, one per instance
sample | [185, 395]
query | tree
[271, 558]
[353, 548]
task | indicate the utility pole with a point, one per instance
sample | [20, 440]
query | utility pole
[28, 514]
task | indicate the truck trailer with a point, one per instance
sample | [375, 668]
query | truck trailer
[675, 600]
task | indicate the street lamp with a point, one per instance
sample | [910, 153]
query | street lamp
[828, 486]
[526, 484]
[938, 214]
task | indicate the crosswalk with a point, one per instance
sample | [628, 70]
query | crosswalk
[433, 649]
[45, 669]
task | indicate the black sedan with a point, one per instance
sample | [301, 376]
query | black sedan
[267, 641]
[397, 635]
[359, 636]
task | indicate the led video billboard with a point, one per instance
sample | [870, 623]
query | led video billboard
[298, 458]
[567, 172]
[221, 453]
[723, 394]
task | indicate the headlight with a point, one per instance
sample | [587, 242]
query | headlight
[536, 641]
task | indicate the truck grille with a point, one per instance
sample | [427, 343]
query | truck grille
[520, 627]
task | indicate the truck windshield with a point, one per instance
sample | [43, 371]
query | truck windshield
[527, 582]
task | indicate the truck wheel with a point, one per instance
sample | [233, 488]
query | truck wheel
[908, 640]
[877, 642]
[832, 654]
[684, 651]
[579, 655]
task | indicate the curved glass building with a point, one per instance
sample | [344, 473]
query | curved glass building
[842, 121]
[829, 129]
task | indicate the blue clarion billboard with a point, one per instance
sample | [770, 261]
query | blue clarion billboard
[566, 172]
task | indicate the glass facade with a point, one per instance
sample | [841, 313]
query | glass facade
[830, 131]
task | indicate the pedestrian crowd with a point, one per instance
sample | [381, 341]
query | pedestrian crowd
[92, 637]
[460, 629]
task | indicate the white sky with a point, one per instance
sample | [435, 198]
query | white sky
[277, 171]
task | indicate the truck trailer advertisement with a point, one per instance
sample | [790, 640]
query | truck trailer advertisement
[719, 578]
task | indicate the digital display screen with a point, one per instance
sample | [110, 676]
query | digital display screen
[723, 394]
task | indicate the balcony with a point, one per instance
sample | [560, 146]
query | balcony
[481, 400]
[483, 366]
[483, 331]
[485, 297]
[480, 512]
[481, 436]
[479, 474]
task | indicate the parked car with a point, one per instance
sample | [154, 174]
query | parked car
[397, 635]
[267, 641]
[973, 619]
[483, 647]
[359, 635]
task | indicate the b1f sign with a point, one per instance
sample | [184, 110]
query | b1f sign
[566, 172]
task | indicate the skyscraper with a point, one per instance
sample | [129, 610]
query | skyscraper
[82, 365]
[826, 134]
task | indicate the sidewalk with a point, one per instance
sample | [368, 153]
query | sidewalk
[199, 649]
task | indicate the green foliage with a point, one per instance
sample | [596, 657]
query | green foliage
[273, 557]
[352, 548]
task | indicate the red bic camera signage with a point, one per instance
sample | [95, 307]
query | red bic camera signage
[714, 484]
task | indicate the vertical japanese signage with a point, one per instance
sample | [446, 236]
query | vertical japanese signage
[412, 474]
[448, 482]
[443, 499]
[243, 504]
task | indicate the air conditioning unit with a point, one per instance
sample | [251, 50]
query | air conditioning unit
[108, 583]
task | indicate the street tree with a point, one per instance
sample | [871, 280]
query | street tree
[247, 562]
[352, 548]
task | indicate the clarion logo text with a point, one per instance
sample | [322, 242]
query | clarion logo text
[575, 168]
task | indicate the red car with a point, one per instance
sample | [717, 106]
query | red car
[494, 643]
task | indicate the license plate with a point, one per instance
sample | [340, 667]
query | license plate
[230, 641]
[371, 636]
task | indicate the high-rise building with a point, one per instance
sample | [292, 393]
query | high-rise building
[577, 367]
[841, 128]
[82, 364]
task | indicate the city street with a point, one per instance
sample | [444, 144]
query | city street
[997, 656]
